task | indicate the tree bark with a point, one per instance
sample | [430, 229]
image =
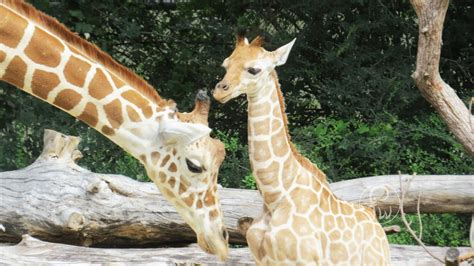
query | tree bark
[431, 14]
[56, 200]
[34, 251]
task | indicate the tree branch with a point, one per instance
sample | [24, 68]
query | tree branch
[431, 14]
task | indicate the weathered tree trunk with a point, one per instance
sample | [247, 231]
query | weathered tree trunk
[34, 251]
[431, 14]
[56, 200]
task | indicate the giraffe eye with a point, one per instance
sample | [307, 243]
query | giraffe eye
[253, 70]
[193, 167]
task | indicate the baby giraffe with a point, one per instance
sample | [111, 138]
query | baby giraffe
[303, 222]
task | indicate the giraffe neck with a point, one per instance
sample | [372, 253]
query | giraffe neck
[276, 164]
[39, 62]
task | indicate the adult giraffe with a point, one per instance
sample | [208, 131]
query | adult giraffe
[303, 222]
[42, 57]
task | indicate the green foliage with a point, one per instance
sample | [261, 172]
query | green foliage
[353, 148]
[248, 182]
[445, 230]
[353, 108]
[236, 163]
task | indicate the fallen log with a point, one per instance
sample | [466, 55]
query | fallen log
[56, 200]
[33, 251]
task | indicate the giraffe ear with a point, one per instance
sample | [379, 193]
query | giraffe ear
[280, 55]
[181, 133]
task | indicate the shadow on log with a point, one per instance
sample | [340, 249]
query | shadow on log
[34, 251]
[56, 200]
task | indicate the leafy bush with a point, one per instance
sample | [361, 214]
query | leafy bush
[446, 230]
[235, 169]
[352, 149]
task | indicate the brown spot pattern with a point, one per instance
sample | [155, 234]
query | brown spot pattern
[118, 82]
[301, 225]
[167, 193]
[279, 144]
[324, 241]
[44, 49]
[173, 168]
[43, 82]
[147, 111]
[76, 71]
[279, 217]
[108, 131]
[182, 188]
[213, 214]
[347, 235]
[3, 55]
[317, 218]
[261, 150]
[172, 181]
[338, 252]
[259, 110]
[261, 127]
[113, 110]
[189, 200]
[329, 223]
[12, 28]
[89, 115]
[286, 244]
[335, 235]
[308, 247]
[132, 114]
[15, 72]
[340, 222]
[199, 204]
[165, 160]
[289, 170]
[324, 201]
[268, 175]
[360, 216]
[209, 200]
[162, 177]
[99, 87]
[271, 197]
[346, 209]
[155, 156]
[368, 229]
[67, 99]
[304, 199]
[140, 102]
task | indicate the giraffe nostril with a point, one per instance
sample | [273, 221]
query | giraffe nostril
[222, 85]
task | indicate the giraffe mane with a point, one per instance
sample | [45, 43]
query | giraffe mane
[90, 50]
[305, 162]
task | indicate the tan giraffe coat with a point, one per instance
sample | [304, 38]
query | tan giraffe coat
[41, 57]
[303, 222]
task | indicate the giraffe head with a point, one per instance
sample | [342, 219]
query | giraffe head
[248, 67]
[186, 170]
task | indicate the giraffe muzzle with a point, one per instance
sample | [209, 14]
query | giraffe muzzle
[222, 95]
[215, 243]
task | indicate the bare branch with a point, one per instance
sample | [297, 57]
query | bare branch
[404, 219]
[419, 217]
